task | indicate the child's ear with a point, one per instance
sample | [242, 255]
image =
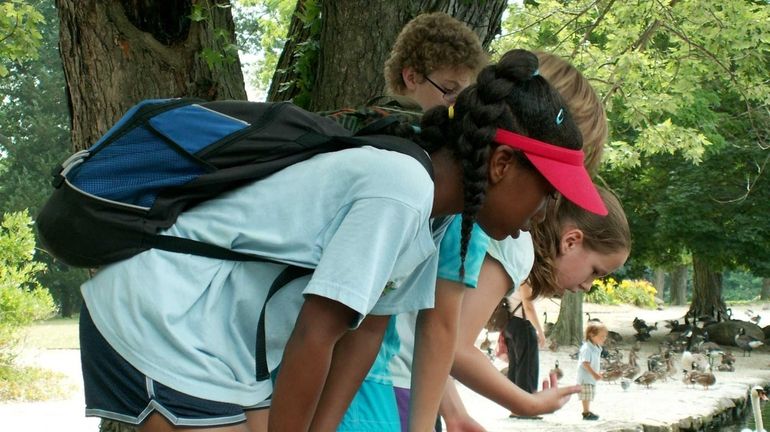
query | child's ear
[409, 75]
[570, 239]
[500, 161]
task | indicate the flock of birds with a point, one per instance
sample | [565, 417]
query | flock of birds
[685, 352]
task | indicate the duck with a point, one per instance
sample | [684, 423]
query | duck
[553, 346]
[612, 373]
[728, 357]
[646, 378]
[726, 367]
[687, 377]
[706, 379]
[632, 368]
[694, 361]
[757, 395]
[557, 371]
[746, 342]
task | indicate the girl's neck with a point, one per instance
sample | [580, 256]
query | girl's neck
[448, 184]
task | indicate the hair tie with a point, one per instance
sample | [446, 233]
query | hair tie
[560, 116]
[536, 72]
[451, 111]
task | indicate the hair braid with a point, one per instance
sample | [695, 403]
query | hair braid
[508, 95]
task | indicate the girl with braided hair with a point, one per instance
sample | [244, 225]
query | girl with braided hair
[571, 248]
[440, 125]
[360, 221]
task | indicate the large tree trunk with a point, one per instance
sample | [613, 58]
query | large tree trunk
[349, 67]
[660, 282]
[116, 53]
[568, 329]
[679, 285]
[765, 295]
[707, 291]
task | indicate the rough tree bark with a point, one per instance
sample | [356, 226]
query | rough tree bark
[707, 291]
[568, 329]
[679, 285]
[355, 40]
[118, 52]
[660, 282]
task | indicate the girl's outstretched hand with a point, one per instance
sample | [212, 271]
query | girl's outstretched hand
[552, 397]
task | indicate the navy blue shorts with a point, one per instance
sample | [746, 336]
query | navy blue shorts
[116, 390]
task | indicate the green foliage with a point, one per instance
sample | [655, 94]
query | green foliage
[222, 51]
[22, 299]
[635, 292]
[19, 33]
[741, 286]
[34, 137]
[685, 89]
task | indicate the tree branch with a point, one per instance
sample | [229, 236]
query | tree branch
[591, 28]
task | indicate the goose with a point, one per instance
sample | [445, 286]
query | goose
[547, 326]
[557, 370]
[758, 394]
[588, 314]
[486, 347]
[746, 342]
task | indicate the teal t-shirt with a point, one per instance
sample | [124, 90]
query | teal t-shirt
[449, 254]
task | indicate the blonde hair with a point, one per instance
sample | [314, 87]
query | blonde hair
[431, 42]
[603, 234]
[595, 328]
[583, 103]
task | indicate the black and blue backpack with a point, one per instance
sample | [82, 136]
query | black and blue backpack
[165, 156]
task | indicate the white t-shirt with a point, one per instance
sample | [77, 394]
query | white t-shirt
[360, 217]
[517, 256]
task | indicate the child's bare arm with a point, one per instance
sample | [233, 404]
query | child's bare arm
[306, 361]
[434, 347]
[353, 357]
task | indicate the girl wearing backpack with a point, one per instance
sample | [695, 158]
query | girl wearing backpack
[168, 340]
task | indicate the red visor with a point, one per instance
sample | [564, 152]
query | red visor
[562, 167]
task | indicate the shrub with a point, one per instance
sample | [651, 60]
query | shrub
[22, 299]
[629, 291]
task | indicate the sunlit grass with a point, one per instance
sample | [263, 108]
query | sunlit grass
[19, 382]
[56, 333]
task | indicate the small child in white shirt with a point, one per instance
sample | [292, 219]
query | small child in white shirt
[589, 369]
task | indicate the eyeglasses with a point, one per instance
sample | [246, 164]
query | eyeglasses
[449, 96]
